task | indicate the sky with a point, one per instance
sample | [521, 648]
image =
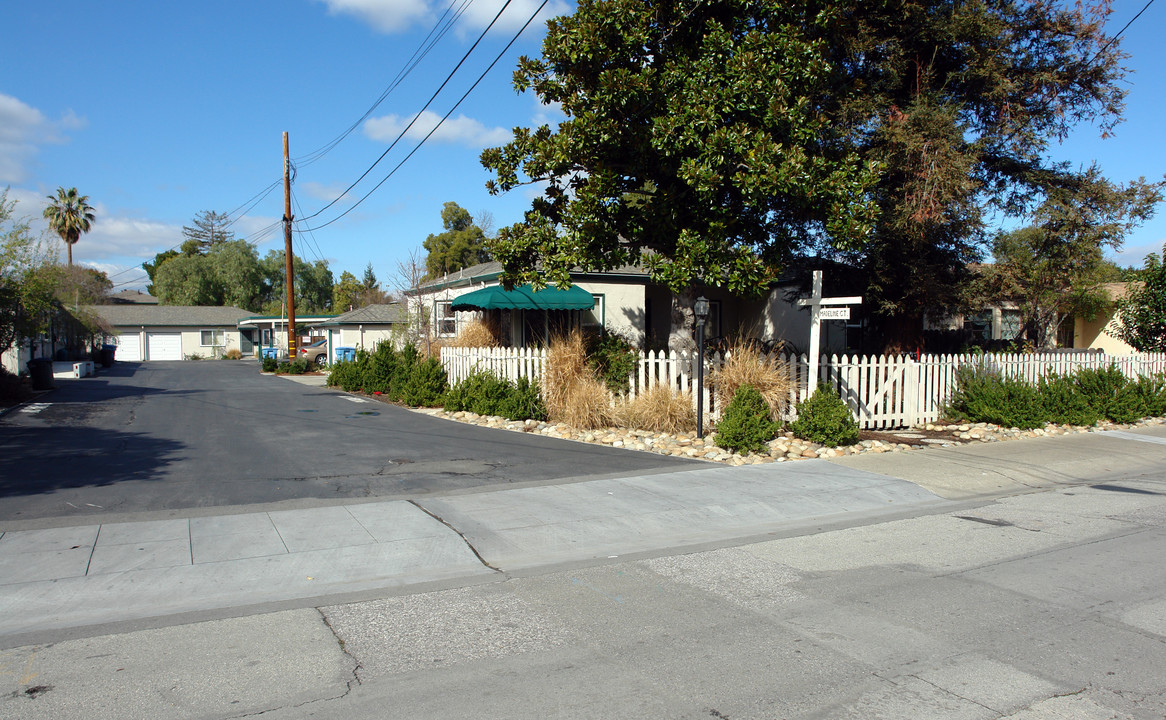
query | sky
[159, 111]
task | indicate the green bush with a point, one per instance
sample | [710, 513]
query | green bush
[295, 367]
[344, 375]
[1152, 393]
[1110, 393]
[824, 418]
[426, 385]
[745, 424]
[1063, 401]
[525, 402]
[613, 358]
[983, 395]
[486, 394]
[270, 364]
[13, 390]
[380, 369]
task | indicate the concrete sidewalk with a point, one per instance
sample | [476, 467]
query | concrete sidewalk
[56, 579]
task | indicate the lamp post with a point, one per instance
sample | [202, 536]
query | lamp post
[701, 310]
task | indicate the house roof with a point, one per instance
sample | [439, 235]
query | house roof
[385, 314]
[168, 315]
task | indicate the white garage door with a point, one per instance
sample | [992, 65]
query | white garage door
[129, 348]
[164, 346]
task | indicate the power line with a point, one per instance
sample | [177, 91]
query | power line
[430, 133]
[426, 106]
[1124, 28]
[436, 34]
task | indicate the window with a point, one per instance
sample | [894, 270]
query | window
[979, 325]
[265, 340]
[1011, 324]
[593, 318]
[446, 318]
[213, 338]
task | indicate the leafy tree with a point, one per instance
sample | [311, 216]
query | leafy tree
[83, 286]
[152, 267]
[350, 293]
[1056, 268]
[209, 229]
[229, 274]
[460, 246]
[29, 274]
[958, 103]
[69, 216]
[713, 140]
[1141, 314]
[347, 293]
[694, 143]
[187, 280]
[313, 283]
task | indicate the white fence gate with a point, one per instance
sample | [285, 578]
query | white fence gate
[885, 391]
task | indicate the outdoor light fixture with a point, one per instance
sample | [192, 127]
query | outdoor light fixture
[701, 310]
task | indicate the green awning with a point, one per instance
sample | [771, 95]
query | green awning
[523, 297]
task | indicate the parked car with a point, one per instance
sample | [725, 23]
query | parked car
[315, 353]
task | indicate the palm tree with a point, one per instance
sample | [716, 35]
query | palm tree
[69, 216]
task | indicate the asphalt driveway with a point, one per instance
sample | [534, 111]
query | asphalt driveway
[173, 436]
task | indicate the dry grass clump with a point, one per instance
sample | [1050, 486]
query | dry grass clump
[746, 365]
[572, 393]
[660, 409]
[483, 332]
[233, 354]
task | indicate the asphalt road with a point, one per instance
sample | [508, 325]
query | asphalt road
[175, 436]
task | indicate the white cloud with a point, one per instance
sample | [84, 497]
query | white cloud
[547, 113]
[459, 130]
[387, 16]
[1136, 254]
[23, 129]
[323, 192]
[394, 16]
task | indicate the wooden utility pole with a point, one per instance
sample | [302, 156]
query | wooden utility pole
[289, 283]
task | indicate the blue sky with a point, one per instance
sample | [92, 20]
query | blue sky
[158, 111]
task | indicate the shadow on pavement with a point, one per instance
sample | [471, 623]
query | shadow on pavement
[37, 460]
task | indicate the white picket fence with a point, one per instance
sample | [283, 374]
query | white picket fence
[886, 391]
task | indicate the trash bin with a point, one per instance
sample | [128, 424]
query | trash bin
[108, 352]
[345, 354]
[41, 372]
[268, 352]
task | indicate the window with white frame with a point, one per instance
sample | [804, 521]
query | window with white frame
[213, 338]
[593, 318]
[446, 319]
[266, 340]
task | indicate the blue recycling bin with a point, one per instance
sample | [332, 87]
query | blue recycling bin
[345, 354]
[268, 352]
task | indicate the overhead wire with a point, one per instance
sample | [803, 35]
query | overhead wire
[436, 33]
[435, 127]
[427, 104]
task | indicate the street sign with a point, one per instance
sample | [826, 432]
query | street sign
[842, 313]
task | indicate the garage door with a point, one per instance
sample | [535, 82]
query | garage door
[129, 348]
[164, 346]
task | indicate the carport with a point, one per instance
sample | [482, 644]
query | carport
[533, 316]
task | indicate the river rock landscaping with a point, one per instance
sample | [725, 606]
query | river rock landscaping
[785, 447]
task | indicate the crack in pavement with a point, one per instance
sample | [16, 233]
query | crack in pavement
[460, 534]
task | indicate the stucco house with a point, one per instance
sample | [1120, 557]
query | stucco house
[626, 301]
[144, 331]
[363, 328]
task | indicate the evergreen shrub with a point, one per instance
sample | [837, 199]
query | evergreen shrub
[745, 425]
[824, 418]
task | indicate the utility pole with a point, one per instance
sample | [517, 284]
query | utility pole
[289, 283]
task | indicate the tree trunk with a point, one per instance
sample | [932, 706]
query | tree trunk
[680, 335]
[69, 248]
[903, 334]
